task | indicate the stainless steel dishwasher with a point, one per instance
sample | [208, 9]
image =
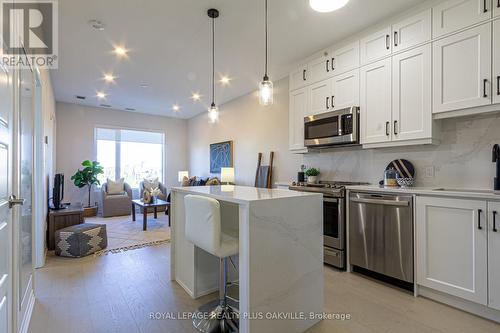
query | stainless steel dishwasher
[381, 234]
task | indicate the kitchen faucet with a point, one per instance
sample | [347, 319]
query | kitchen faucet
[496, 159]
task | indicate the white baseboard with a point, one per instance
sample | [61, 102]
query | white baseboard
[25, 323]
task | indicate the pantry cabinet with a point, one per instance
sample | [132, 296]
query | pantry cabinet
[320, 97]
[453, 15]
[462, 70]
[375, 102]
[298, 78]
[451, 247]
[299, 100]
[496, 61]
[412, 31]
[376, 46]
[494, 254]
[411, 94]
[345, 90]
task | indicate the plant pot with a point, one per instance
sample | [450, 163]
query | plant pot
[312, 179]
[90, 211]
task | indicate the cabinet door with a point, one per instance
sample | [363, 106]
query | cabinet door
[411, 94]
[319, 69]
[453, 15]
[375, 102]
[462, 70]
[496, 61]
[298, 78]
[297, 112]
[345, 90]
[345, 59]
[376, 46]
[494, 255]
[319, 97]
[496, 8]
[451, 247]
[412, 31]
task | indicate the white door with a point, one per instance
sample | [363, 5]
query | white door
[376, 46]
[462, 70]
[452, 15]
[297, 112]
[494, 254]
[320, 97]
[411, 94]
[345, 90]
[451, 247]
[412, 31]
[6, 99]
[375, 102]
[319, 69]
[345, 59]
[298, 78]
[496, 61]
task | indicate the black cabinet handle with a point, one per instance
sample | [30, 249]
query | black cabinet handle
[328, 65]
[328, 103]
[485, 94]
[479, 212]
[485, 3]
[395, 38]
[333, 60]
[333, 104]
[387, 41]
[498, 4]
[495, 216]
[387, 128]
[395, 126]
[498, 77]
[304, 75]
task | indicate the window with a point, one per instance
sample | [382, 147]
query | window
[133, 155]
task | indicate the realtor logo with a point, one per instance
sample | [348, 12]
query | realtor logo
[29, 33]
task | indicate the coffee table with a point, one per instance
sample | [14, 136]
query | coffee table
[157, 203]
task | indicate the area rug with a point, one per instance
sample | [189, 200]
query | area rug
[125, 234]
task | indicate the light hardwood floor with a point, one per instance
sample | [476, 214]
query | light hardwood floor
[118, 292]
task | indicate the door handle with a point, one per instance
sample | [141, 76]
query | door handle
[381, 202]
[328, 65]
[333, 59]
[395, 38]
[485, 94]
[498, 77]
[304, 75]
[387, 128]
[333, 103]
[328, 103]
[479, 212]
[495, 214]
[395, 126]
[13, 201]
[387, 41]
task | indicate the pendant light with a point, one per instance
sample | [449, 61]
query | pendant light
[266, 86]
[213, 111]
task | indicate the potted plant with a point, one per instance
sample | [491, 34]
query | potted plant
[88, 177]
[312, 175]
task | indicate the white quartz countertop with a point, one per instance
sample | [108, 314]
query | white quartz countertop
[242, 194]
[432, 191]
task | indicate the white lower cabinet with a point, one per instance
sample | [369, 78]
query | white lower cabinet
[494, 255]
[451, 247]
[299, 100]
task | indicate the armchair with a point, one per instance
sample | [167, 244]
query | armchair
[116, 204]
[163, 196]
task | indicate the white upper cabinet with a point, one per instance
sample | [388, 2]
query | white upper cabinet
[297, 112]
[451, 247]
[376, 46]
[453, 15]
[462, 70]
[496, 8]
[345, 90]
[345, 59]
[494, 254]
[319, 68]
[298, 78]
[496, 61]
[320, 97]
[411, 94]
[375, 102]
[412, 31]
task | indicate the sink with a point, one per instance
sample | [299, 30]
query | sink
[465, 190]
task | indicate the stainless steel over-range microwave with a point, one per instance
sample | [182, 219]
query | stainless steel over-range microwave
[332, 128]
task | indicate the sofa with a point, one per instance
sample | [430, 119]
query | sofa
[116, 204]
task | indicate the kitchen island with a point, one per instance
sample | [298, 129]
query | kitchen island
[280, 261]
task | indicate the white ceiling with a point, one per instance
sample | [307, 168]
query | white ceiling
[170, 45]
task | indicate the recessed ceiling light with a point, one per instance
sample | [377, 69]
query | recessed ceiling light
[144, 85]
[196, 96]
[120, 51]
[101, 95]
[326, 6]
[175, 107]
[224, 80]
[97, 25]
[108, 77]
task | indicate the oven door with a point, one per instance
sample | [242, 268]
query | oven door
[333, 223]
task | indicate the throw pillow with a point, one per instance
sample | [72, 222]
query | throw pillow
[213, 181]
[150, 184]
[185, 181]
[117, 187]
[192, 181]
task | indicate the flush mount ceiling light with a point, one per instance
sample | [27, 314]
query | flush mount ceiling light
[213, 111]
[326, 6]
[266, 85]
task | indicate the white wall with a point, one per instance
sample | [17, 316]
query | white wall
[252, 129]
[75, 141]
[463, 159]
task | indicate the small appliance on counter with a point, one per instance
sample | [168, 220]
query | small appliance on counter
[301, 176]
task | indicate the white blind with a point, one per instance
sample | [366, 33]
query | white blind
[123, 135]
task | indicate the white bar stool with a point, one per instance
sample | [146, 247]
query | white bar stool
[203, 229]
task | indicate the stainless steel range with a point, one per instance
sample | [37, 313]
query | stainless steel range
[334, 217]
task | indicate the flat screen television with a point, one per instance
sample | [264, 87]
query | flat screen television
[58, 192]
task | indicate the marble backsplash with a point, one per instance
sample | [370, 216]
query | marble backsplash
[463, 159]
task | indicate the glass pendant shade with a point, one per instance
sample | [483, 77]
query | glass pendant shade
[266, 92]
[325, 6]
[213, 113]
